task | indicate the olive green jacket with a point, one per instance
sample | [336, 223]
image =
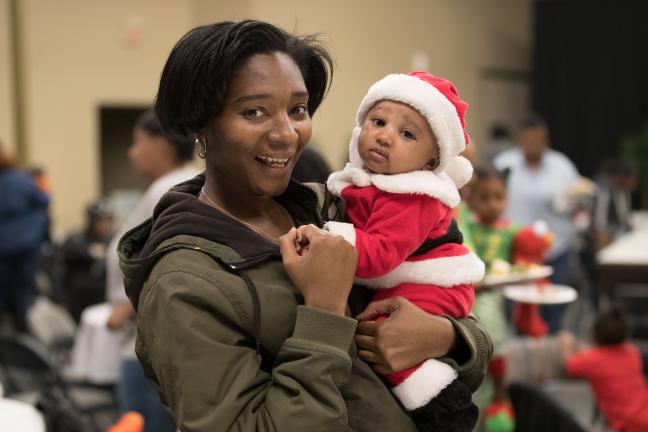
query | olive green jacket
[225, 338]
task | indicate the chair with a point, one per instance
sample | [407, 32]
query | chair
[535, 411]
[28, 374]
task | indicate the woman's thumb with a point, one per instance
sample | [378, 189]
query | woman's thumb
[379, 308]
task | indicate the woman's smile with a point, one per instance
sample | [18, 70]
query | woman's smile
[274, 162]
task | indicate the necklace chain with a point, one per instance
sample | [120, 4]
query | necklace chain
[252, 226]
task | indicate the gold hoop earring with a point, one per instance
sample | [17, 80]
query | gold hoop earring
[201, 147]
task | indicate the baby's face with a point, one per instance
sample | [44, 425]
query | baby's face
[396, 139]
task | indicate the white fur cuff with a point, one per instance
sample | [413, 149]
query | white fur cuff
[424, 384]
[343, 229]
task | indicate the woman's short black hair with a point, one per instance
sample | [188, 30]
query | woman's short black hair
[611, 327]
[197, 74]
[183, 146]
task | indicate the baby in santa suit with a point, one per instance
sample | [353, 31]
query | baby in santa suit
[400, 189]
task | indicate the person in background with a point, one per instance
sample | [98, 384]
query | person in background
[497, 241]
[500, 142]
[163, 162]
[23, 229]
[612, 203]
[83, 260]
[538, 177]
[613, 367]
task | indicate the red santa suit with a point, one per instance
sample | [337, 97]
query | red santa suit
[391, 217]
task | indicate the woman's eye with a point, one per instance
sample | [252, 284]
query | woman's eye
[299, 110]
[408, 135]
[378, 122]
[253, 113]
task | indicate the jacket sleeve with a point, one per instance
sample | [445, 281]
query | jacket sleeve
[194, 342]
[472, 352]
[398, 225]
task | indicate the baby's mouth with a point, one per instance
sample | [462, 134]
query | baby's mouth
[273, 162]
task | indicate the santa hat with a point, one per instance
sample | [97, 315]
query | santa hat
[437, 100]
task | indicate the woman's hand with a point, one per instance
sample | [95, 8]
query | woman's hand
[405, 338]
[321, 265]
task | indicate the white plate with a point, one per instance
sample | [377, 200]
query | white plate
[532, 274]
[549, 294]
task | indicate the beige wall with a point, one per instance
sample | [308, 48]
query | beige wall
[7, 119]
[77, 56]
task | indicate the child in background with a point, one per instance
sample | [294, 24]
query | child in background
[400, 188]
[496, 240]
[614, 369]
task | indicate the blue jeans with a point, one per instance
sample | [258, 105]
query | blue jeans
[553, 314]
[136, 393]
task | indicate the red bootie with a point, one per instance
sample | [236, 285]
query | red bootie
[528, 321]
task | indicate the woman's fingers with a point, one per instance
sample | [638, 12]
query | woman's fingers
[365, 342]
[368, 328]
[380, 308]
[287, 244]
[369, 356]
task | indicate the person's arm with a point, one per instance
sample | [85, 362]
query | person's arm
[409, 336]
[195, 331]
[398, 225]
[573, 354]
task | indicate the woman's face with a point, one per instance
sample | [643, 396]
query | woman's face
[254, 143]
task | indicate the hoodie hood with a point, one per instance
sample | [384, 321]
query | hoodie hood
[182, 221]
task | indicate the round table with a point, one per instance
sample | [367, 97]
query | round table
[540, 293]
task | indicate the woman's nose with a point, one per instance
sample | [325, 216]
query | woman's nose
[283, 130]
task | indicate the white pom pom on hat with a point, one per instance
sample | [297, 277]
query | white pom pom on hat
[437, 100]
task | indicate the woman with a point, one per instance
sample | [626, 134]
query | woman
[241, 325]
[163, 162]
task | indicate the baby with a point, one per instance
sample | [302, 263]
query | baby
[400, 189]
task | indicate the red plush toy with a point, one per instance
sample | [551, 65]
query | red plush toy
[529, 247]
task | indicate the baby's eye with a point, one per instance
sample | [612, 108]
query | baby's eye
[408, 135]
[378, 122]
[253, 112]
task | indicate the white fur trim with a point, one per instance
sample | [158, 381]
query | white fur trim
[343, 229]
[354, 155]
[424, 384]
[439, 186]
[444, 271]
[426, 99]
[460, 170]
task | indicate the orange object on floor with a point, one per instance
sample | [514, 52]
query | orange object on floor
[129, 422]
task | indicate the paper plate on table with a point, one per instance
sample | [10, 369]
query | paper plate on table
[530, 275]
[541, 294]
